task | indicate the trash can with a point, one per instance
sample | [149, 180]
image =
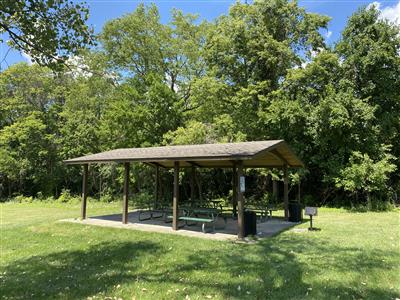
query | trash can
[295, 212]
[250, 223]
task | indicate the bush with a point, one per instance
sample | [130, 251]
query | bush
[23, 199]
[308, 200]
[65, 196]
[49, 199]
[107, 198]
[266, 199]
[365, 177]
[380, 205]
[39, 196]
[143, 200]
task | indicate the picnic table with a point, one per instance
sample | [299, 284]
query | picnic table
[264, 212]
[203, 215]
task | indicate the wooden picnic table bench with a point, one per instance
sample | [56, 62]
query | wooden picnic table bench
[152, 214]
[262, 211]
[203, 215]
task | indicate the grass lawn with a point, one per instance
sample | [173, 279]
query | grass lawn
[354, 256]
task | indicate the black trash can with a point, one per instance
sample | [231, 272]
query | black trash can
[295, 211]
[250, 223]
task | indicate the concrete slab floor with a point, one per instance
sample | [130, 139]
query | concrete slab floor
[266, 228]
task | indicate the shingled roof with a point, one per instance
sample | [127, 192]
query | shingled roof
[260, 154]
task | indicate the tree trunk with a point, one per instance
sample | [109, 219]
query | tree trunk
[369, 204]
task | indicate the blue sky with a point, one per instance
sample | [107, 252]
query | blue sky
[103, 10]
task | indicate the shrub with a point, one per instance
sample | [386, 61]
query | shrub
[65, 196]
[106, 198]
[23, 199]
[143, 200]
[365, 176]
[49, 199]
[307, 200]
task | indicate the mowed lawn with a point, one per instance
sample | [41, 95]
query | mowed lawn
[354, 256]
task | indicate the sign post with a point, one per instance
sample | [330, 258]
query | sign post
[311, 211]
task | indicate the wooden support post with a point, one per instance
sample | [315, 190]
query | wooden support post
[234, 190]
[84, 190]
[192, 184]
[156, 187]
[240, 201]
[126, 194]
[176, 197]
[286, 191]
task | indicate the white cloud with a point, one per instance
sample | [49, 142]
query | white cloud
[328, 34]
[391, 13]
[28, 58]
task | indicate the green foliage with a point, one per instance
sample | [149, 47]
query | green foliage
[221, 131]
[371, 63]
[140, 45]
[25, 146]
[365, 175]
[65, 196]
[107, 198]
[23, 199]
[138, 114]
[262, 71]
[48, 30]
[260, 42]
[143, 200]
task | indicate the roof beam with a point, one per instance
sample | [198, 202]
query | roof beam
[279, 156]
[155, 164]
[192, 163]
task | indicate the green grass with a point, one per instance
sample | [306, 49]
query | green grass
[354, 256]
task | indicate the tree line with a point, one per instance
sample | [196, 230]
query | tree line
[262, 71]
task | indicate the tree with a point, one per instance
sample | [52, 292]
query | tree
[369, 49]
[260, 72]
[221, 130]
[24, 89]
[27, 151]
[260, 42]
[138, 45]
[48, 30]
[252, 48]
[139, 114]
[365, 175]
[310, 84]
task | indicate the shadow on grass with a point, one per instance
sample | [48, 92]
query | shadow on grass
[271, 270]
[274, 268]
[74, 274]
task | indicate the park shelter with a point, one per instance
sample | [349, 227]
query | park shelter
[237, 156]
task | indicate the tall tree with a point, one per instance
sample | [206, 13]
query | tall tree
[369, 49]
[253, 47]
[139, 45]
[260, 42]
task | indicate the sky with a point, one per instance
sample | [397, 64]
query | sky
[103, 10]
